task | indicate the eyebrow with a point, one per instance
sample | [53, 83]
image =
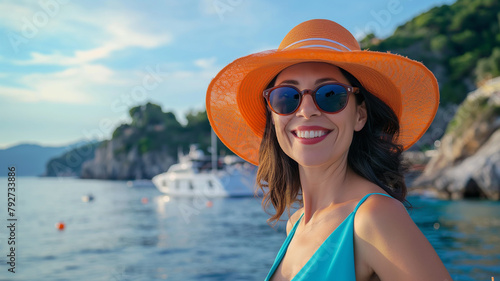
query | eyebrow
[321, 80]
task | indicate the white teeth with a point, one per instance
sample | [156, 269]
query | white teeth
[310, 134]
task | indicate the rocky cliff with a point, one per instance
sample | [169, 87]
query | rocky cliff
[467, 163]
[110, 162]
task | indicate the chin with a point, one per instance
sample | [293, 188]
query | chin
[312, 160]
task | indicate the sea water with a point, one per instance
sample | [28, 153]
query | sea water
[128, 233]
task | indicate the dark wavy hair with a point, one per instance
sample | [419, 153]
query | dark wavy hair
[373, 154]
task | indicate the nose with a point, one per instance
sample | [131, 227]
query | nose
[308, 108]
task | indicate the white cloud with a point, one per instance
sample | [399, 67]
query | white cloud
[98, 84]
[73, 85]
[189, 81]
[101, 32]
[43, 92]
[118, 37]
[17, 13]
[205, 62]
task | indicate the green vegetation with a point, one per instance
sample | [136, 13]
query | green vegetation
[152, 129]
[462, 37]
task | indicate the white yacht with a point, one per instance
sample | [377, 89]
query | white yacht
[199, 175]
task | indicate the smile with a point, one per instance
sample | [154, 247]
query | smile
[310, 134]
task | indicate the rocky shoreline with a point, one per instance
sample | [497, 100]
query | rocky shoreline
[467, 162]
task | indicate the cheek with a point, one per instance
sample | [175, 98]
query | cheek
[349, 115]
[280, 128]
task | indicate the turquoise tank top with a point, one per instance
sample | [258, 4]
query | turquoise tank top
[334, 259]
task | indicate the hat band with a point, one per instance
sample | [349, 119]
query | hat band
[319, 39]
[322, 46]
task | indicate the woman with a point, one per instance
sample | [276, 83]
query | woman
[326, 123]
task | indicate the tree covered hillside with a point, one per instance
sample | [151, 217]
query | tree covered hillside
[460, 43]
[152, 129]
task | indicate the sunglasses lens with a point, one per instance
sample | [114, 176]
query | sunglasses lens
[331, 98]
[284, 100]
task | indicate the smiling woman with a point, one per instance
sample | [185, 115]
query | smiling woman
[327, 122]
[297, 131]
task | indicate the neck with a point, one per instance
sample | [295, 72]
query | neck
[323, 186]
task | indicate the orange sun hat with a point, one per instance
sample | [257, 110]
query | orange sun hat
[237, 110]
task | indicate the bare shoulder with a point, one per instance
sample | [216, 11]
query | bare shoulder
[390, 243]
[293, 219]
[381, 208]
[381, 217]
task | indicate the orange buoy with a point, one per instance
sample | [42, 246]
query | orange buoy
[144, 200]
[60, 225]
[209, 204]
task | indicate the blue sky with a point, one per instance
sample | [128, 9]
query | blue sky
[70, 70]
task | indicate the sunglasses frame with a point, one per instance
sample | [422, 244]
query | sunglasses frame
[349, 89]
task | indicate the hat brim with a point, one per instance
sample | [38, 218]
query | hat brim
[236, 108]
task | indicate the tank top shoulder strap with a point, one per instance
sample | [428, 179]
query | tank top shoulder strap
[297, 222]
[366, 196]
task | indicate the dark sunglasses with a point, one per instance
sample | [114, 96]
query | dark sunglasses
[329, 98]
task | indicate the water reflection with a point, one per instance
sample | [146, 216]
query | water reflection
[121, 236]
[467, 239]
